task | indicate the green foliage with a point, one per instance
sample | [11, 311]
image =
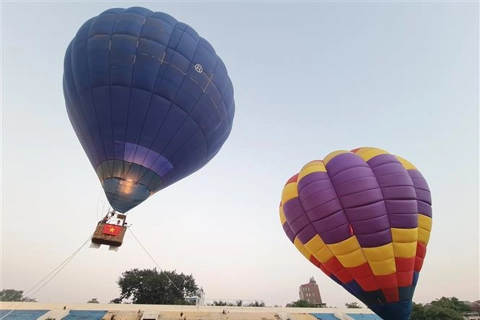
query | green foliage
[300, 304]
[256, 304]
[440, 309]
[93, 300]
[14, 295]
[152, 287]
[352, 305]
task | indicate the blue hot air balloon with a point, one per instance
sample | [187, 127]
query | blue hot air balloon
[149, 99]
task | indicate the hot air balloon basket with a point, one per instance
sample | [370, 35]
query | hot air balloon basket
[109, 234]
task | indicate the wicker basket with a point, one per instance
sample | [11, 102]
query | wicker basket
[101, 238]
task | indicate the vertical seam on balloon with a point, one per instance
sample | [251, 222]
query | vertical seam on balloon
[173, 104]
[72, 112]
[200, 127]
[126, 171]
[310, 222]
[110, 92]
[91, 95]
[93, 149]
[346, 216]
[151, 96]
[389, 222]
[188, 116]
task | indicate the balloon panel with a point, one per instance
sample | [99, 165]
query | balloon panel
[149, 99]
[364, 218]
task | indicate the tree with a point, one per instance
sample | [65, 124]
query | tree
[352, 305]
[14, 295]
[93, 300]
[152, 287]
[300, 304]
[440, 309]
[451, 303]
[256, 304]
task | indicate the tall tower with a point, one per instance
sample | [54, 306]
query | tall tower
[311, 293]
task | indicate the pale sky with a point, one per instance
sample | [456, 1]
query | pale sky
[309, 78]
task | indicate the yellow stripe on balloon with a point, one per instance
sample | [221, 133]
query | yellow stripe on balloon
[312, 166]
[404, 235]
[404, 242]
[379, 253]
[405, 249]
[319, 249]
[424, 228]
[301, 248]
[283, 219]
[405, 163]
[289, 192]
[369, 153]
[346, 246]
[383, 267]
[352, 259]
[324, 254]
[332, 155]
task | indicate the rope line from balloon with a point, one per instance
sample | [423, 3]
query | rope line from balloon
[156, 264]
[54, 272]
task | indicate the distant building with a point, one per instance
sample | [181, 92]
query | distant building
[198, 299]
[311, 293]
[471, 316]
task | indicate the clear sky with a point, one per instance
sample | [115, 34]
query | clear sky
[309, 78]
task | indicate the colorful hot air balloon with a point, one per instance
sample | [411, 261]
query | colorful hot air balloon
[149, 99]
[364, 218]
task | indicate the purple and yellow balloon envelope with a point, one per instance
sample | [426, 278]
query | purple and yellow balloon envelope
[364, 218]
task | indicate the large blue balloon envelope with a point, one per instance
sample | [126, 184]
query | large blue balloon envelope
[149, 99]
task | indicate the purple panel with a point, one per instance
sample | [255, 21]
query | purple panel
[312, 177]
[382, 160]
[399, 193]
[367, 212]
[351, 173]
[342, 162]
[307, 233]
[315, 186]
[317, 199]
[424, 195]
[293, 210]
[371, 226]
[355, 186]
[334, 223]
[337, 235]
[288, 231]
[324, 210]
[299, 224]
[403, 220]
[382, 169]
[374, 240]
[395, 179]
[362, 198]
[424, 208]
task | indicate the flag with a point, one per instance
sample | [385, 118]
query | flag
[111, 229]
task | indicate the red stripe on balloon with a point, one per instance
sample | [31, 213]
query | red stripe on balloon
[391, 294]
[405, 264]
[405, 279]
[292, 179]
[388, 281]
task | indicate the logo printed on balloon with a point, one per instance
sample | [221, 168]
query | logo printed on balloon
[364, 218]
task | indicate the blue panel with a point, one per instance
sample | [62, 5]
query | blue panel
[22, 314]
[393, 311]
[85, 315]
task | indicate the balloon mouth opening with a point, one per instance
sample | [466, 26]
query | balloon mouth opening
[124, 194]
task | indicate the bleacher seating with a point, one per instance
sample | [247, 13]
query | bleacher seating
[324, 316]
[361, 316]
